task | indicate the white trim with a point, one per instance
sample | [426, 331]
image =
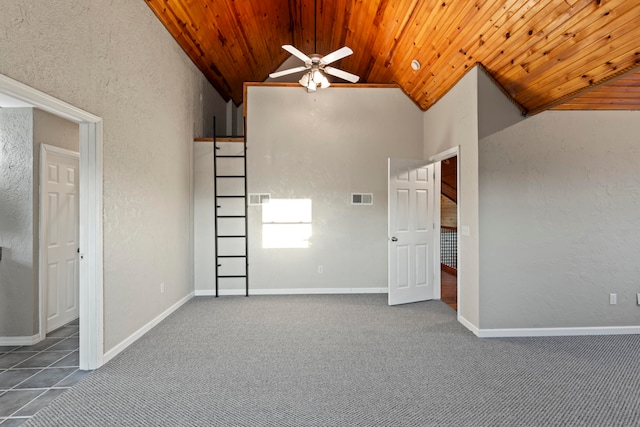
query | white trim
[437, 211]
[91, 251]
[45, 102]
[91, 263]
[19, 341]
[558, 332]
[446, 154]
[296, 291]
[548, 332]
[146, 328]
[470, 326]
[45, 149]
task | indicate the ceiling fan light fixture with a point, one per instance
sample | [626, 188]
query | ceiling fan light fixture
[304, 81]
[415, 64]
[312, 86]
[313, 80]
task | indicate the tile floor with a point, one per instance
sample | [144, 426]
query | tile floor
[32, 376]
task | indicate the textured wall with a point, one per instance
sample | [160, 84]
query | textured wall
[116, 60]
[323, 147]
[17, 280]
[559, 209]
[453, 121]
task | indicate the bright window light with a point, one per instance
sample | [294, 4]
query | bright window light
[286, 223]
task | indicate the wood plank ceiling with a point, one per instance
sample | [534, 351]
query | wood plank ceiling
[542, 52]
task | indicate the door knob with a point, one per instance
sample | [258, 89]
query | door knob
[394, 239]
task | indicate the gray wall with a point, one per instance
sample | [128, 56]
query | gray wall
[559, 219]
[116, 60]
[322, 147]
[451, 122]
[17, 280]
[495, 110]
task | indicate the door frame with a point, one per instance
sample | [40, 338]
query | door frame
[43, 288]
[438, 158]
[91, 263]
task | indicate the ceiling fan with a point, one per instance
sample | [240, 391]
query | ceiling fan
[316, 64]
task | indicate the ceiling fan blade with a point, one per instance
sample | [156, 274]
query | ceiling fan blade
[336, 55]
[286, 72]
[295, 52]
[342, 74]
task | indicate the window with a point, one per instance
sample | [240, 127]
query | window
[286, 223]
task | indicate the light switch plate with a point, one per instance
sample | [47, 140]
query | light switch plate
[466, 230]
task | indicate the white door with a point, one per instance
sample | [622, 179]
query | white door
[59, 232]
[411, 233]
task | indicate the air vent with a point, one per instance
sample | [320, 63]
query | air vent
[362, 198]
[257, 199]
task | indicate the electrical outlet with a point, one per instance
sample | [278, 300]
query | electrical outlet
[613, 299]
[320, 269]
[162, 288]
[466, 230]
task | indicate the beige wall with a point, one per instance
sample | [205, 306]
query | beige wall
[116, 60]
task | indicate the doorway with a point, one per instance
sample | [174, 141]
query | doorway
[90, 216]
[449, 232]
[448, 281]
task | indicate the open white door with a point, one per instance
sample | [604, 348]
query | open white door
[411, 234]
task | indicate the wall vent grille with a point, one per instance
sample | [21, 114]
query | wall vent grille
[257, 199]
[362, 198]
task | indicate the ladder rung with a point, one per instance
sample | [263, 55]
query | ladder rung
[230, 157]
[232, 256]
[238, 236]
[229, 277]
[231, 216]
[232, 197]
[231, 176]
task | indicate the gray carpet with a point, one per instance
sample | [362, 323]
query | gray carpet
[350, 361]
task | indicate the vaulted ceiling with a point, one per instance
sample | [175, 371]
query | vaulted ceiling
[542, 52]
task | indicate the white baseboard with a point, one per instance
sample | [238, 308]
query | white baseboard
[548, 332]
[146, 328]
[297, 291]
[558, 332]
[470, 326]
[19, 341]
